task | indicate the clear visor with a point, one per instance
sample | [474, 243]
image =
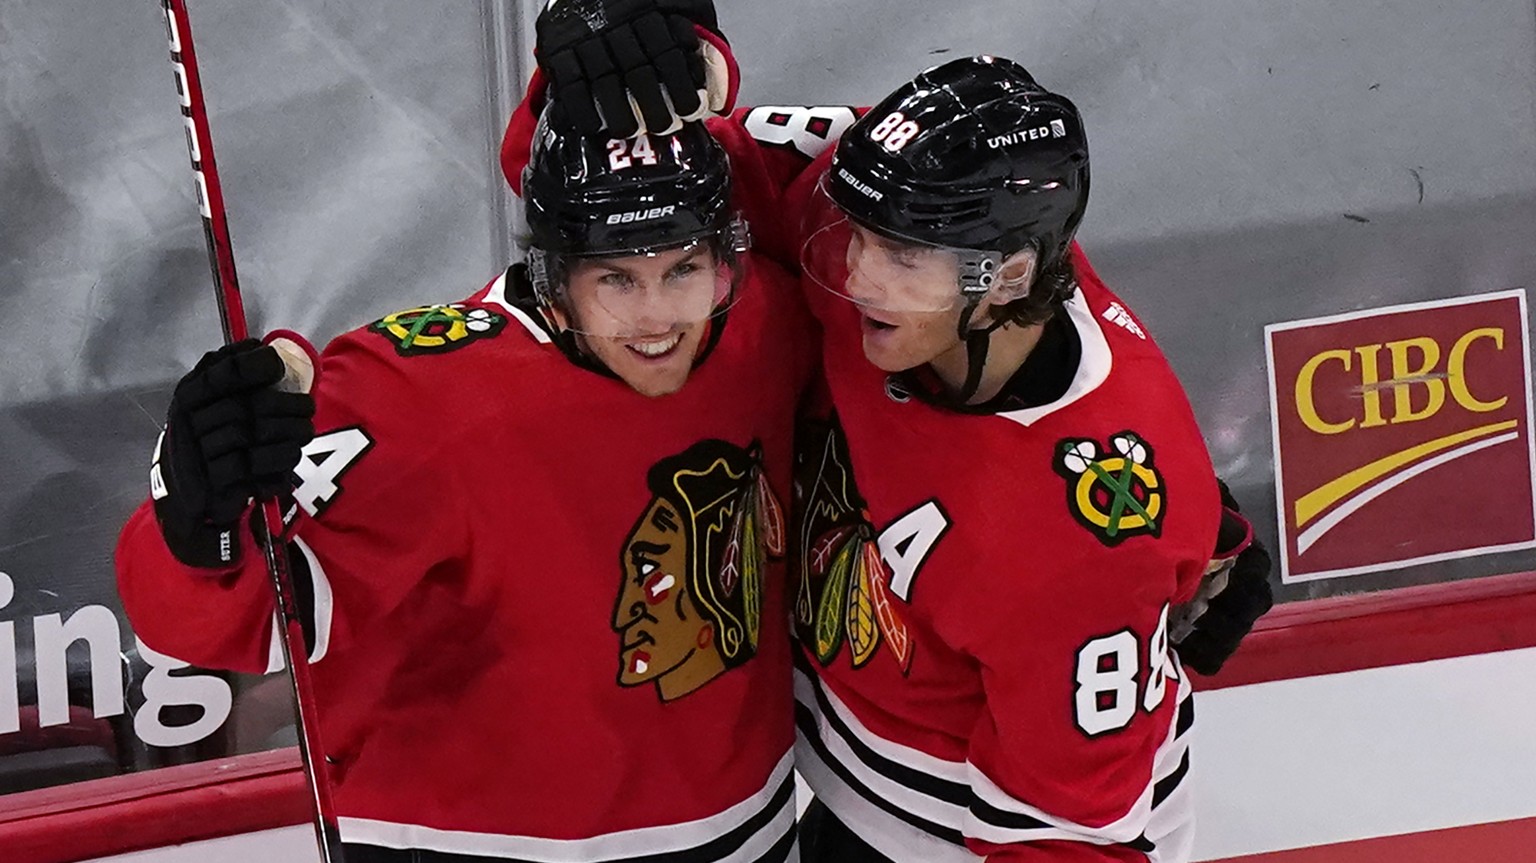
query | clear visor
[646, 294]
[879, 272]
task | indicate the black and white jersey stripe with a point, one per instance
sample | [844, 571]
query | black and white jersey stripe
[760, 829]
[907, 804]
[316, 604]
[912, 806]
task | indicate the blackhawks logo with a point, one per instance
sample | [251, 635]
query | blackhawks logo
[1116, 493]
[694, 569]
[843, 598]
[437, 329]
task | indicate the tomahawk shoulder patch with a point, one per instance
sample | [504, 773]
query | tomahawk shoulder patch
[437, 329]
[1116, 491]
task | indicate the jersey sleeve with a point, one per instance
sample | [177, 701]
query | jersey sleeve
[212, 620]
[377, 514]
[1080, 750]
[517, 142]
[778, 153]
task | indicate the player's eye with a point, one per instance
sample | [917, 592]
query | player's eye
[683, 270]
[616, 280]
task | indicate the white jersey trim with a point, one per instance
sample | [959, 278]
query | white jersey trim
[1169, 764]
[498, 295]
[890, 836]
[325, 603]
[907, 804]
[622, 845]
[863, 792]
[1092, 370]
[1171, 826]
[840, 749]
[806, 688]
[324, 612]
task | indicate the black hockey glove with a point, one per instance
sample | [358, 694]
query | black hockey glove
[230, 436]
[629, 66]
[1233, 596]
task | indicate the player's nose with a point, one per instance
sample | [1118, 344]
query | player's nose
[659, 309]
[862, 289]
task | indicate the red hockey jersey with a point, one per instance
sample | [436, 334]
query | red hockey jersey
[548, 613]
[983, 600]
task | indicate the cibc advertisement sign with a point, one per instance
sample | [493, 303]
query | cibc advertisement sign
[1402, 435]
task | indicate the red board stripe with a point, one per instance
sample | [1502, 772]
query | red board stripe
[1499, 842]
[154, 809]
[1416, 624]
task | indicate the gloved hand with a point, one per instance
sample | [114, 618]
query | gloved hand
[1233, 596]
[627, 67]
[230, 436]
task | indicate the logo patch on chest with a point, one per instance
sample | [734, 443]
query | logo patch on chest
[1115, 492]
[694, 569]
[437, 329]
[848, 575]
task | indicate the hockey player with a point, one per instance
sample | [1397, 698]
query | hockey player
[540, 537]
[1007, 504]
[1006, 519]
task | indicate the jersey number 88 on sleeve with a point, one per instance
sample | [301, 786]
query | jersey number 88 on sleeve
[1109, 678]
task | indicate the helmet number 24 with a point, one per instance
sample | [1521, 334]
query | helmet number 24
[895, 131]
[623, 153]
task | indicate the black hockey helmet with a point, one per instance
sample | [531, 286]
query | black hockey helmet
[973, 154]
[592, 197]
[970, 162]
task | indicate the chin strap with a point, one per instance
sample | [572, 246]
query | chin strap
[977, 341]
[978, 272]
[712, 338]
[925, 385]
[976, 344]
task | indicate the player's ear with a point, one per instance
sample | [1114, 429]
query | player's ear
[1014, 278]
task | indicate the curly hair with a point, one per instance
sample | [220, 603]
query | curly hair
[1053, 287]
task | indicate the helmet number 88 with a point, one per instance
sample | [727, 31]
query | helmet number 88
[895, 131]
[1109, 677]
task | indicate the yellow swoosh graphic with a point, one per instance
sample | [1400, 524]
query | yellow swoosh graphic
[1309, 505]
[1352, 504]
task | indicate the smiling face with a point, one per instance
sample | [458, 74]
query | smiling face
[645, 316]
[663, 636]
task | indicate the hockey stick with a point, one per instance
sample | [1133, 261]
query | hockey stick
[268, 516]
